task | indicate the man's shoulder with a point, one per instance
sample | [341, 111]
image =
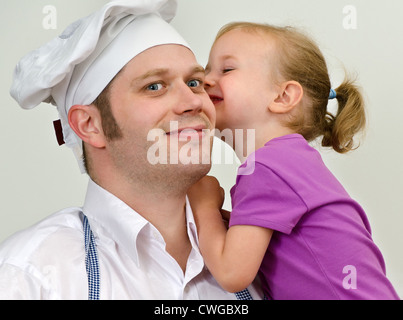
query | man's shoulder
[40, 261]
[50, 233]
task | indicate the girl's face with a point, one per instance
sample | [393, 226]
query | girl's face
[239, 81]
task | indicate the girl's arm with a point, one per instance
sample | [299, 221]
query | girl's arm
[234, 256]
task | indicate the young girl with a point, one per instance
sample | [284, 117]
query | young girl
[291, 221]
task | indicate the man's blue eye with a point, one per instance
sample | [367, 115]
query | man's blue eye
[194, 83]
[154, 87]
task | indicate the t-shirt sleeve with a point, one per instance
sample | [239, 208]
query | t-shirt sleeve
[264, 199]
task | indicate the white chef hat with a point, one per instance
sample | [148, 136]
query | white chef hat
[75, 67]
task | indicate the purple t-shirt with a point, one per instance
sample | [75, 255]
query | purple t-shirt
[321, 247]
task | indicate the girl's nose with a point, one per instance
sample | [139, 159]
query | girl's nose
[209, 81]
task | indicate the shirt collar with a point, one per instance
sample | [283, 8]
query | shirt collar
[107, 213]
[191, 226]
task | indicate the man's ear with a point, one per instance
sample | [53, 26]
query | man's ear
[289, 95]
[86, 123]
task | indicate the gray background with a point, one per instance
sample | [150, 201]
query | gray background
[38, 178]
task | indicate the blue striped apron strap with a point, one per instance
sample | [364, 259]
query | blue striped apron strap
[244, 295]
[91, 261]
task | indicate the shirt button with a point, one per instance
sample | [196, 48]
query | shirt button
[190, 294]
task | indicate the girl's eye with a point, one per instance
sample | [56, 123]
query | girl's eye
[227, 70]
[194, 83]
[155, 87]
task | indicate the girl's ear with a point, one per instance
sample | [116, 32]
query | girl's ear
[289, 95]
[86, 123]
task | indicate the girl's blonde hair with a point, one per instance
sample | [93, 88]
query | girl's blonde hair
[300, 59]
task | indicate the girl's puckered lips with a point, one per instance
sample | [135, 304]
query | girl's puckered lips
[215, 99]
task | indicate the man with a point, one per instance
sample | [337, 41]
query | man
[116, 76]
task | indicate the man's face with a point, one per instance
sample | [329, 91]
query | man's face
[161, 89]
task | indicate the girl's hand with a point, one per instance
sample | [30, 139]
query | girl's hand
[206, 194]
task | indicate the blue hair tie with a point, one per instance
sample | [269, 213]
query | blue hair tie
[333, 94]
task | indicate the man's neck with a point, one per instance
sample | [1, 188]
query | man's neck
[164, 209]
[167, 213]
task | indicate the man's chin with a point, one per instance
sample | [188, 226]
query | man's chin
[193, 173]
[177, 178]
[190, 171]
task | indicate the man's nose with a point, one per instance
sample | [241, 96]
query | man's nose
[189, 101]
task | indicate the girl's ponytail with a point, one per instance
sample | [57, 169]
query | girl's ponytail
[339, 130]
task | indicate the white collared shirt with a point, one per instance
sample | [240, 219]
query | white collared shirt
[47, 261]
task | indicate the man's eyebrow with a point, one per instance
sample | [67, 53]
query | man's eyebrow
[164, 71]
[152, 73]
[198, 69]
